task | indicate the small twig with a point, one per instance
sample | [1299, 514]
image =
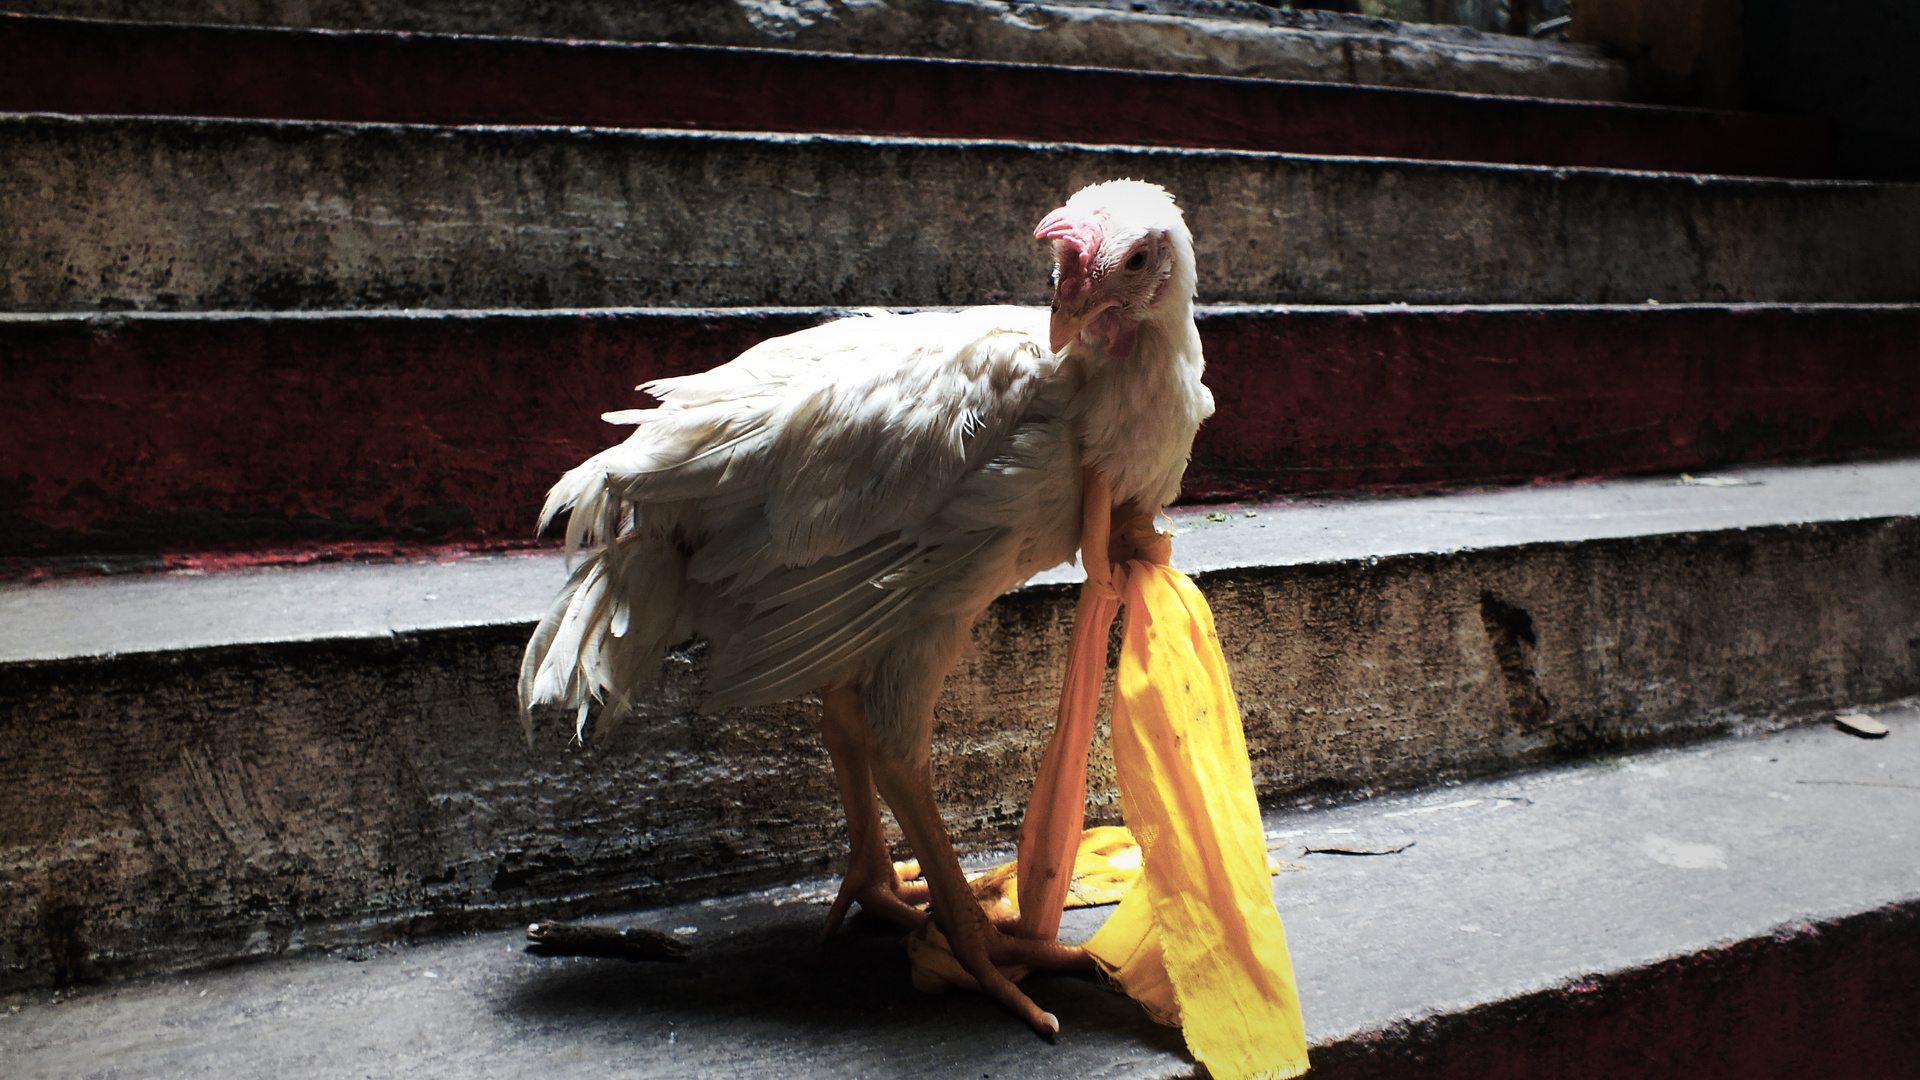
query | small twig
[1355, 851]
[1862, 783]
[551, 938]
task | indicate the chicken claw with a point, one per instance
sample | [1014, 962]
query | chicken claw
[875, 883]
[907, 785]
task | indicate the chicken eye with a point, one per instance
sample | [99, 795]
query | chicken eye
[1139, 260]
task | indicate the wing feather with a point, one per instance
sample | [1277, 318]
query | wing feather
[805, 493]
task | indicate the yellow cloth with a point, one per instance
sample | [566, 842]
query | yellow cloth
[1106, 863]
[1104, 868]
[1198, 943]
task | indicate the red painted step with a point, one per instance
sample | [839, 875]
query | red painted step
[197, 433]
[75, 66]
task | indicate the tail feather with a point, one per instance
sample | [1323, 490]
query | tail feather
[560, 677]
[604, 637]
[536, 655]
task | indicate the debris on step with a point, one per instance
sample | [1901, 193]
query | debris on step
[1861, 724]
[549, 938]
[1690, 480]
[1356, 851]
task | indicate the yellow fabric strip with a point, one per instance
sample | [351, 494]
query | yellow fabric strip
[1197, 941]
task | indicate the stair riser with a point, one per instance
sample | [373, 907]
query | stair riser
[149, 434]
[1829, 998]
[237, 215]
[1314, 48]
[244, 800]
[120, 69]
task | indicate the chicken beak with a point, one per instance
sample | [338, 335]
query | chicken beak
[1067, 323]
[1073, 239]
[1066, 327]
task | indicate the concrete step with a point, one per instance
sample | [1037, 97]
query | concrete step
[1203, 37]
[86, 67]
[224, 215]
[151, 440]
[212, 766]
[1740, 908]
[233, 215]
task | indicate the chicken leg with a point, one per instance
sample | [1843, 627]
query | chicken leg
[870, 876]
[1056, 812]
[907, 785]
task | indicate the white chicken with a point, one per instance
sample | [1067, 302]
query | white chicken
[834, 509]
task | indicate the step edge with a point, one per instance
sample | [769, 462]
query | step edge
[1411, 1032]
[1202, 311]
[764, 138]
[537, 576]
[1436, 36]
[1589, 56]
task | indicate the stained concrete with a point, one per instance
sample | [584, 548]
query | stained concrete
[158, 440]
[183, 806]
[1741, 908]
[1197, 36]
[169, 214]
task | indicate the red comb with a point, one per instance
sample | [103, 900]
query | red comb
[1079, 234]
[1054, 226]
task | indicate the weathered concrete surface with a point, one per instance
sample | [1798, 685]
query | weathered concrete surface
[221, 215]
[1360, 674]
[242, 603]
[256, 436]
[1746, 908]
[1239, 39]
[142, 69]
[179, 807]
